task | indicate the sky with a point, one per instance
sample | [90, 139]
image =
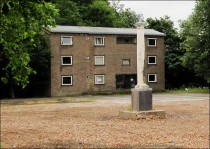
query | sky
[176, 10]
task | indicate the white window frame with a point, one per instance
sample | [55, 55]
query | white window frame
[71, 40]
[99, 56]
[152, 39]
[103, 79]
[70, 76]
[99, 44]
[154, 74]
[66, 64]
[155, 59]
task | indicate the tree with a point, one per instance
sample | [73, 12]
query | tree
[124, 17]
[94, 13]
[69, 13]
[20, 21]
[196, 38]
[173, 52]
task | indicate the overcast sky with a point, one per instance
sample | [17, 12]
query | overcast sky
[176, 10]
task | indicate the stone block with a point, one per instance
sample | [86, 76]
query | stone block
[141, 99]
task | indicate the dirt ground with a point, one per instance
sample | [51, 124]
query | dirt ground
[95, 125]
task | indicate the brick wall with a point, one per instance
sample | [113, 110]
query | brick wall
[83, 69]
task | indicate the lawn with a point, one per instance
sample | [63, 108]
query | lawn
[189, 90]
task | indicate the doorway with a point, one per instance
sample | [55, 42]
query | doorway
[126, 81]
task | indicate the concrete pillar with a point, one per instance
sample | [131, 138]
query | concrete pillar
[142, 94]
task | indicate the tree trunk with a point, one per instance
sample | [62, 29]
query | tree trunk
[12, 91]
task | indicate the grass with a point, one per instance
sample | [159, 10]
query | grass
[189, 90]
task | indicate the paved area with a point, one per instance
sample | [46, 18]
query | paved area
[157, 97]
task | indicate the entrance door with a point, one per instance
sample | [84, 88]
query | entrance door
[125, 81]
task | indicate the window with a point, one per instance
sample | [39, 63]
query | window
[152, 77]
[99, 41]
[66, 40]
[126, 40]
[66, 60]
[99, 60]
[99, 79]
[151, 59]
[67, 80]
[152, 42]
[126, 62]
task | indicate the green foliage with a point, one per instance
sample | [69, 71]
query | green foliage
[189, 90]
[124, 17]
[173, 52]
[195, 33]
[174, 69]
[21, 20]
[94, 13]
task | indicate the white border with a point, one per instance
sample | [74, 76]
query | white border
[71, 77]
[152, 45]
[103, 38]
[155, 59]
[100, 76]
[98, 57]
[71, 39]
[62, 60]
[150, 75]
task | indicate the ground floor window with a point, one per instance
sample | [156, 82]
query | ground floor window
[67, 80]
[99, 79]
[126, 81]
[152, 77]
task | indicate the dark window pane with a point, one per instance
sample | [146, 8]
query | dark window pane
[126, 40]
[66, 80]
[152, 60]
[151, 77]
[66, 60]
[152, 42]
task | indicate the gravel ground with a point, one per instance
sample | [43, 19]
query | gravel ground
[97, 125]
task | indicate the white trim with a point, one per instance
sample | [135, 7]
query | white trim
[99, 44]
[102, 81]
[152, 45]
[150, 57]
[70, 76]
[154, 74]
[62, 60]
[71, 40]
[98, 57]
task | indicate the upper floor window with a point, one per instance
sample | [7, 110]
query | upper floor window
[66, 60]
[99, 41]
[126, 40]
[66, 40]
[99, 60]
[152, 42]
[152, 60]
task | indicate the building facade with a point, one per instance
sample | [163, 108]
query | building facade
[100, 59]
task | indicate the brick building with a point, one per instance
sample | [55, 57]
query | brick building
[100, 59]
